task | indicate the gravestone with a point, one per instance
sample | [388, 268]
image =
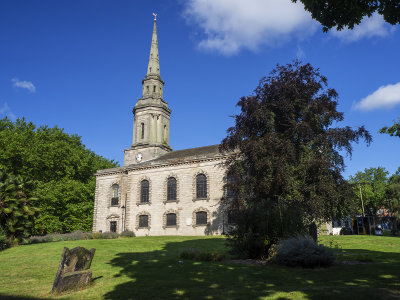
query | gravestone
[73, 272]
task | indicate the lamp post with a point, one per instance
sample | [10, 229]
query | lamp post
[123, 219]
[223, 223]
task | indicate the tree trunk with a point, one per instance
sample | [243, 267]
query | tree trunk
[11, 239]
[313, 231]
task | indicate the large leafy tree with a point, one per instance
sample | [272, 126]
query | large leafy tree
[17, 209]
[372, 184]
[393, 194]
[348, 13]
[287, 171]
[60, 168]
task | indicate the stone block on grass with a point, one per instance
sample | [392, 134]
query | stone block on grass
[73, 272]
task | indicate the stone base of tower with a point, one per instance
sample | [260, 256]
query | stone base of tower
[146, 152]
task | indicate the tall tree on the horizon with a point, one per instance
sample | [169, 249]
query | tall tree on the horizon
[288, 173]
[373, 184]
[17, 209]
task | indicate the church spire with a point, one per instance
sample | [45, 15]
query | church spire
[154, 63]
[152, 83]
[151, 114]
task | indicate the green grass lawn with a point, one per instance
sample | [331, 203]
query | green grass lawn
[149, 268]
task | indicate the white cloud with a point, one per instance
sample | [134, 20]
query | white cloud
[374, 26]
[230, 25]
[385, 97]
[24, 85]
[6, 111]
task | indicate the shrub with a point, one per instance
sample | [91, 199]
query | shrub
[190, 253]
[74, 236]
[303, 252]
[109, 235]
[127, 233]
[3, 239]
[195, 254]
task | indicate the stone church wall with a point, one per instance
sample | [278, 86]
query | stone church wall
[185, 207]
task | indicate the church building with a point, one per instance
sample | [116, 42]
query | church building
[159, 191]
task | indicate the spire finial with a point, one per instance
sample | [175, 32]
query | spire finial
[155, 16]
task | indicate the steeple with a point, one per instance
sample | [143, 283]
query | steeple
[154, 63]
[152, 83]
[151, 113]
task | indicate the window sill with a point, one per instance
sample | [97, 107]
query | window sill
[114, 206]
[143, 203]
[171, 201]
[173, 226]
[201, 199]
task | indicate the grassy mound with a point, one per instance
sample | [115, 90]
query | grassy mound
[151, 268]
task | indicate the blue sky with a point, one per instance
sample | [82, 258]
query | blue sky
[79, 65]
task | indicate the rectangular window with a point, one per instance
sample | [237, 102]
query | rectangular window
[201, 218]
[113, 226]
[171, 219]
[143, 221]
[114, 201]
[154, 89]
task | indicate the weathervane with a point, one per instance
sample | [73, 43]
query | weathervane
[155, 16]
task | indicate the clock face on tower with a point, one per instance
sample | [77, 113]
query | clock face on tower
[139, 157]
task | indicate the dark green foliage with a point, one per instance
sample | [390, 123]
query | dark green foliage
[393, 130]
[348, 13]
[195, 254]
[288, 172]
[303, 252]
[60, 169]
[65, 206]
[17, 209]
[127, 233]
[3, 239]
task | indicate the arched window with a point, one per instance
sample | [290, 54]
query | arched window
[142, 129]
[165, 134]
[143, 221]
[171, 219]
[144, 191]
[201, 218]
[201, 186]
[114, 197]
[171, 189]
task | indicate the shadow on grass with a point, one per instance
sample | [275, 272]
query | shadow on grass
[161, 275]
